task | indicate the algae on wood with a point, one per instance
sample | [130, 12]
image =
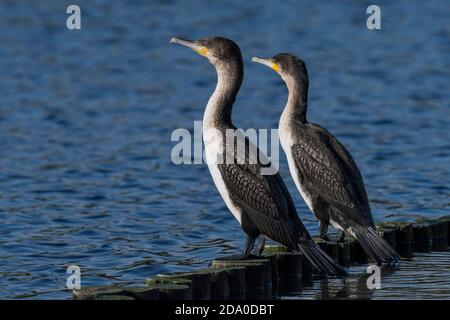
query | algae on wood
[257, 274]
[171, 288]
[127, 293]
[201, 282]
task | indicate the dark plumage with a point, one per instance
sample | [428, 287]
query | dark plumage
[267, 208]
[260, 202]
[323, 170]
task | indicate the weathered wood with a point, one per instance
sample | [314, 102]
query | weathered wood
[287, 270]
[236, 282]
[258, 274]
[343, 253]
[357, 253]
[258, 271]
[201, 282]
[175, 292]
[274, 248]
[171, 288]
[143, 293]
[446, 219]
[93, 293]
[114, 297]
[290, 269]
[275, 273]
[404, 237]
[333, 250]
[439, 234]
[422, 237]
[330, 247]
[220, 287]
[387, 234]
[116, 293]
[307, 272]
[339, 251]
[289, 264]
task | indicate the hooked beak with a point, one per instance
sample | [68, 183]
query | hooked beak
[201, 50]
[267, 62]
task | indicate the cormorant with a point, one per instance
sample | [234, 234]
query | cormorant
[261, 203]
[323, 170]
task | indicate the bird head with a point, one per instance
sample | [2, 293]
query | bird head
[289, 67]
[216, 49]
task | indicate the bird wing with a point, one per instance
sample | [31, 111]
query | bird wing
[265, 199]
[332, 172]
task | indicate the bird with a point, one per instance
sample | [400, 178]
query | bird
[323, 170]
[260, 202]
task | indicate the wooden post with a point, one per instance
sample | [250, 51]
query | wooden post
[99, 293]
[404, 238]
[278, 272]
[439, 233]
[257, 275]
[357, 253]
[274, 249]
[446, 219]
[290, 269]
[276, 276]
[201, 282]
[422, 237]
[144, 293]
[171, 288]
[339, 251]
[343, 253]
[113, 297]
[307, 272]
[220, 286]
[236, 282]
[388, 234]
[175, 292]
[116, 293]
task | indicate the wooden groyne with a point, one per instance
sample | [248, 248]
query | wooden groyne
[278, 272]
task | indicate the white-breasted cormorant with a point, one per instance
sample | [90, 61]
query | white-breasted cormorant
[261, 203]
[323, 170]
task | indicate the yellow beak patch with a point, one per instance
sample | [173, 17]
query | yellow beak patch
[275, 67]
[202, 51]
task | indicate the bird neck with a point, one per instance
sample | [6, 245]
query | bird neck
[218, 110]
[296, 106]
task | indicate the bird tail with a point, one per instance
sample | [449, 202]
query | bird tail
[374, 245]
[321, 260]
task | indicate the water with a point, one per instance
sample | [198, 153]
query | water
[86, 118]
[427, 276]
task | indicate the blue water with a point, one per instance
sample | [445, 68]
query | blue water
[86, 118]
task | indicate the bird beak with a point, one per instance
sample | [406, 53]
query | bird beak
[267, 62]
[201, 50]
